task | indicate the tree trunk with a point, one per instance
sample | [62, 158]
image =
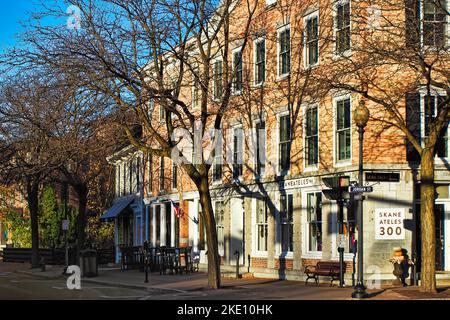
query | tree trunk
[427, 223]
[33, 205]
[211, 235]
[82, 193]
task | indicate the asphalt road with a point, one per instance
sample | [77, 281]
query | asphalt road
[15, 286]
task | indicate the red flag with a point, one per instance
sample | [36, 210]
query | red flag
[178, 211]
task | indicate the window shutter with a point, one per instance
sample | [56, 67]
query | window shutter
[412, 23]
[413, 123]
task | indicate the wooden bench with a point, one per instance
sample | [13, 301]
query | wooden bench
[324, 268]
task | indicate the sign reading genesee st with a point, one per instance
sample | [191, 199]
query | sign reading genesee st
[389, 224]
[382, 176]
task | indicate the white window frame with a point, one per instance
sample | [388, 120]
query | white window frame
[279, 33]
[255, 44]
[162, 170]
[233, 52]
[314, 14]
[342, 163]
[270, 2]
[221, 252]
[279, 172]
[311, 168]
[255, 251]
[434, 92]
[234, 128]
[255, 123]
[278, 250]
[174, 177]
[214, 61]
[347, 52]
[446, 26]
[195, 81]
[306, 253]
[214, 181]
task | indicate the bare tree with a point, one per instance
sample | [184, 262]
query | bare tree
[25, 121]
[138, 51]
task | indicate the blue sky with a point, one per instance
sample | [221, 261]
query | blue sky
[10, 15]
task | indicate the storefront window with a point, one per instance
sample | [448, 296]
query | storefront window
[314, 208]
[287, 222]
[219, 215]
[261, 225]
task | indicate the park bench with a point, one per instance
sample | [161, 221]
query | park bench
[323, 268]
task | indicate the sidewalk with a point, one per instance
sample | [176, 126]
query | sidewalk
[253, 288]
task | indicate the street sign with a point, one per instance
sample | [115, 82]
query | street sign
[65, 225]
[382, 177]
[360, 189]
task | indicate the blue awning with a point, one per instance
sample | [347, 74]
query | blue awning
[117, 209]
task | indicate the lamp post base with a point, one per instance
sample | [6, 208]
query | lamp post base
[360, 292]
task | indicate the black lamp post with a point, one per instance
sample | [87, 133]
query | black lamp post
[361, 117]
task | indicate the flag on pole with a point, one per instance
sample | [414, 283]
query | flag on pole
[179, 213]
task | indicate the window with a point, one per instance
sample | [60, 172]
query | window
[343, 130]
[118, 186]
[311, 137]
[168, 211]
[260, 147]
[434, 22]
[342, 25]
[218, 73]
[174, 175]
[162, 114]
[150, 176]
[286, 222]
[238, 71]
[158, 226]
[285, 144]
[238, 153]
[151, 107]
[219, 215]
[270, 2]
[195, 90]
[138, 175]
[284, 58]
[131, 168]
[262, 226]
[431, 106]
[161, 174]
[260, 61]
[312, 40]
[218, 161]
[314, 212]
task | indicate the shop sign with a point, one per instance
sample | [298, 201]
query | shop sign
[298, 183]
[389, 224]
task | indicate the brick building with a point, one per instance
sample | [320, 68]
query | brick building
[266, 181]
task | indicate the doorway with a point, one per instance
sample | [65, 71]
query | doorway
[442, 229]
[237, 231]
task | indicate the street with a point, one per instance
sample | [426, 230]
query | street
[19, 286]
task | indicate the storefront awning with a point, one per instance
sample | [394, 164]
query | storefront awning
[116, 209]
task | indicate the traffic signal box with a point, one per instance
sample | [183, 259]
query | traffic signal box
[339, 188]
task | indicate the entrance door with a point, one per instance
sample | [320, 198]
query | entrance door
[237, 231]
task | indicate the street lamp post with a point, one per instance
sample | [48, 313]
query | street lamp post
[361, 117]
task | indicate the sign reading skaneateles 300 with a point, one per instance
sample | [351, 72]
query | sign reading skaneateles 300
[389, 224]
